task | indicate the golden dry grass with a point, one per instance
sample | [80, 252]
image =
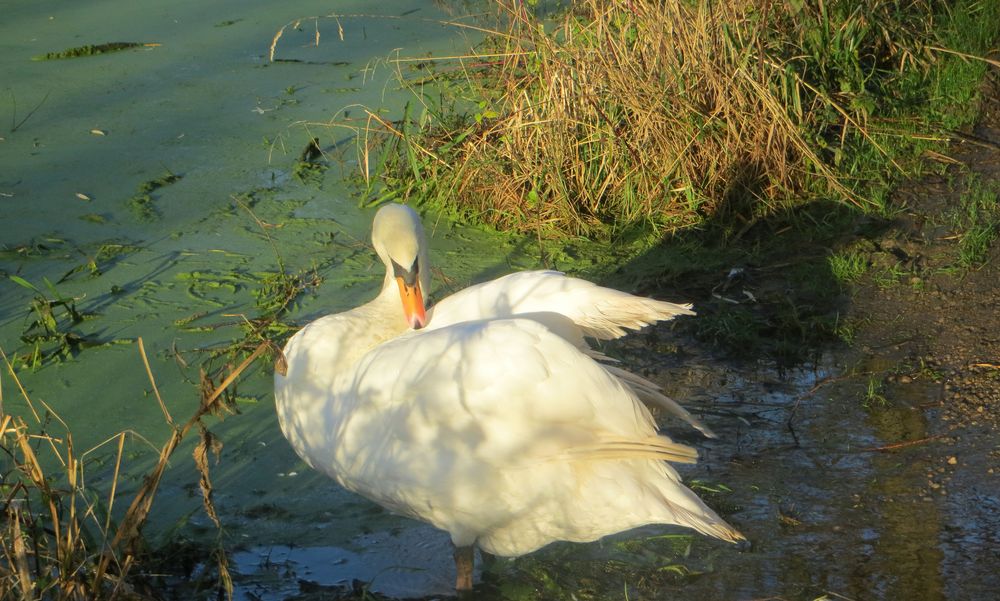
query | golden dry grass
[666, 113]
[59, 539]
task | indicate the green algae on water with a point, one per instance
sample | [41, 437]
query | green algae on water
[91, 50]
[142, 202]
[94, 218]
[310, 168]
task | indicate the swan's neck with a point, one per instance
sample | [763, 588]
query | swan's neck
[321, 360]
[330, 346]
[375, 322]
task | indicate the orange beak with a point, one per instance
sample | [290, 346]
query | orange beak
[413, 304]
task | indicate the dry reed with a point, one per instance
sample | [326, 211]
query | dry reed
[666, 112]
[60, 541]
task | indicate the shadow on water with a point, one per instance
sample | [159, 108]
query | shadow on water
[763, 287]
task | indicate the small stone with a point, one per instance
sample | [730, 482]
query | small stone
[905, 379]
[952, 460]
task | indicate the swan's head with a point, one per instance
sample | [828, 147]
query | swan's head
[398, 238]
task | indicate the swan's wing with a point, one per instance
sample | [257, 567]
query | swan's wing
[652, 394]
[474, 426]
[507, 392]
[512, 371]
[572, 308]
[603, 313]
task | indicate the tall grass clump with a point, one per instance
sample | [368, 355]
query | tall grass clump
[67, 538]
[667, 113]
[57, 540]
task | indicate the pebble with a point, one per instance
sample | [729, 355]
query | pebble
[952, 460]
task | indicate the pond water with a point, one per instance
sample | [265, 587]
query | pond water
[793, 467]
[200, 100]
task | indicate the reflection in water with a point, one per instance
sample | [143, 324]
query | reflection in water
[906, 559]
[413, 561]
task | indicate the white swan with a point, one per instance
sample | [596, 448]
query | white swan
[493, 421]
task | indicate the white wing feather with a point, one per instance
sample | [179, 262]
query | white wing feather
[603, 313]
[496, 423]
[442, 439]
[560, 302]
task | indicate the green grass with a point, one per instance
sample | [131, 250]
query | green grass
[848, 267]
[780, 136]
[51, 333]
[971, 28]
[889, 276]
[873, 396]
[978, 221]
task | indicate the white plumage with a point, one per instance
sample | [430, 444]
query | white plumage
[495, 422]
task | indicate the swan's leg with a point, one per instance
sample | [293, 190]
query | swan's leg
[464, 560]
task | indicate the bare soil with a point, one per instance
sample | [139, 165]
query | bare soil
[941, 326]
[931, 345]
[948, 321]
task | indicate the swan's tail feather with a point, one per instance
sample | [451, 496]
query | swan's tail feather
[619, 312]
[709, 524]
[650, 393]
[654, 447]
